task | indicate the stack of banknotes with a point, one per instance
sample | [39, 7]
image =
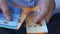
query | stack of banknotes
[15, 13]
[18, 19]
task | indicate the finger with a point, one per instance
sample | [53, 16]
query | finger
[5, 9]
[37, 20]
[38, 16]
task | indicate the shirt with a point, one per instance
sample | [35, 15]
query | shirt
[57, 8]
[26, 3]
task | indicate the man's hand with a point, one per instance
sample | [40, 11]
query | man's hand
[46, 8]
[4, 8]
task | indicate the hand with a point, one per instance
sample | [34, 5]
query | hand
[5, 10]
[46, 8]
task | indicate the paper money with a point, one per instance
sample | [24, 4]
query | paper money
[32, 27]
[15, 13]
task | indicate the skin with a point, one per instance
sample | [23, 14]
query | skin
[5, 10]
[46, 7]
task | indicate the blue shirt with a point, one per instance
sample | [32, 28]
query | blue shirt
[26, 3]
[57, 8]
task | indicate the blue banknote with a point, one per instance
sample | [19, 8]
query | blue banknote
[15, 13]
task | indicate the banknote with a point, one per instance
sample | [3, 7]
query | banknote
[32, 27]
[15, 13]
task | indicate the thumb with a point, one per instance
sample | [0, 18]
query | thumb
[37, 19]
[5, 9]
[41, 12]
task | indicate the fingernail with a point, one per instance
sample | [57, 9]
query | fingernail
[38, 22]
[9, 18]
